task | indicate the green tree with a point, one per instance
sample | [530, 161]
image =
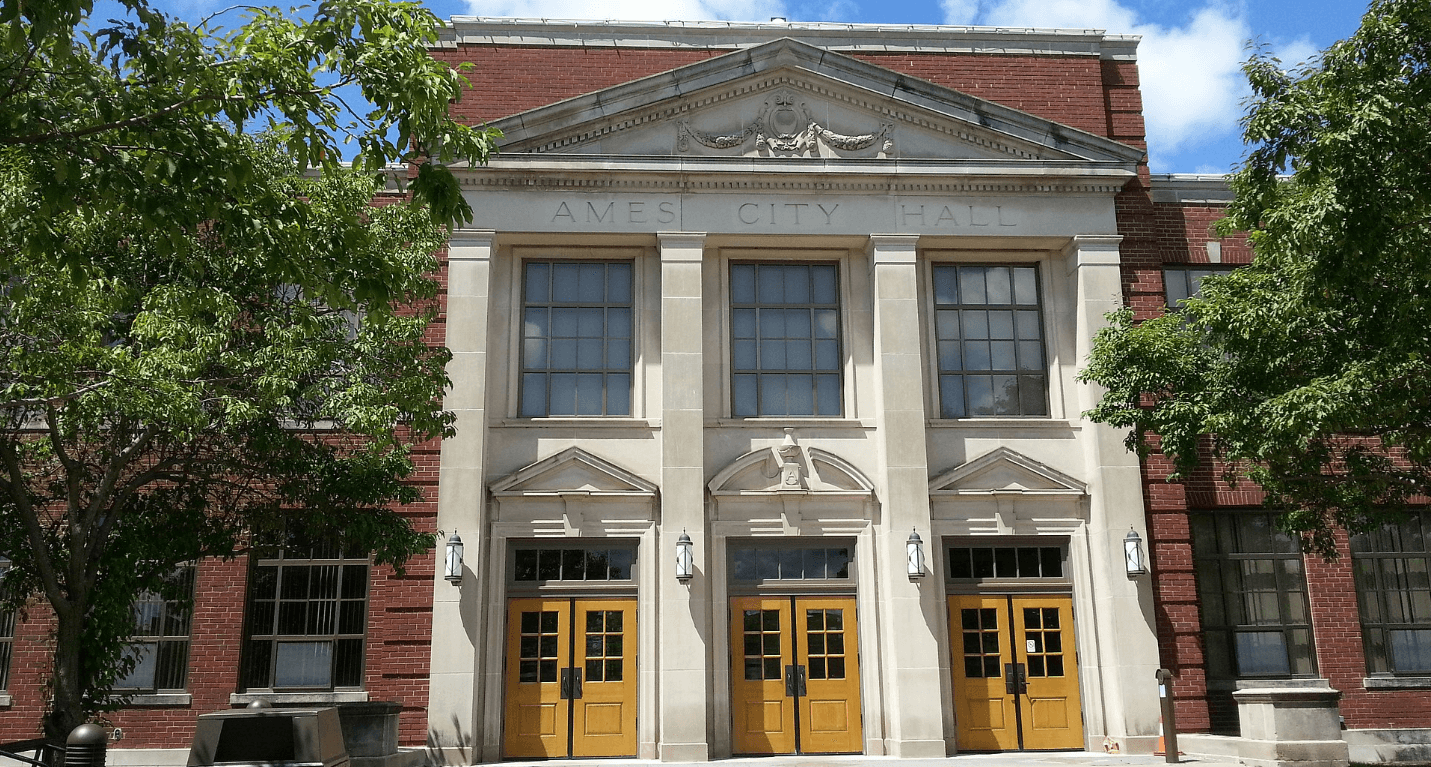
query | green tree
[203, 344]
[1308, 372]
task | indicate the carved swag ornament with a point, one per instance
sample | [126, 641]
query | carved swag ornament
[782, 130]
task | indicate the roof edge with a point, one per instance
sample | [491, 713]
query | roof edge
[1191, 188]
[735, 35]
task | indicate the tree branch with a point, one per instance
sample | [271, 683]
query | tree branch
[38, 545]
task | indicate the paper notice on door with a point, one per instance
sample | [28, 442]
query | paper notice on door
[1031, 645]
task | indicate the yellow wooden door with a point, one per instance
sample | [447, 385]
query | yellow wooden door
[604, 697]
[985, 714]
[828, 658]
[760, 648]
[538, 649]
[1043, 635]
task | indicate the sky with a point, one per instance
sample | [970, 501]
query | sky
[1189, 58]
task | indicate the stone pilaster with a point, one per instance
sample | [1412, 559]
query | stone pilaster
[1123, 606]
[453, 708]
[910, 620]
[685, 630]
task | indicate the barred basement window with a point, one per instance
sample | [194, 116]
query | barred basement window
[160, 641]
[307, 619]
[785, 339]
[1253, 593]
[1394, 591]
[989, 341]
[576, 339]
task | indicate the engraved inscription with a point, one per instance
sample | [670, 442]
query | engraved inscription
[787, 213]
[615, 212]
[957, 215]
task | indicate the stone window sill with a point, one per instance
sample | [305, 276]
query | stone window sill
[5, 700]
[589, 422]
[1003, 423]
[1397, 683]
[161, 699]
[300, 698]
[791, 421]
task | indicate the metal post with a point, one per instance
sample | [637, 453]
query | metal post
[1170, 722]
[85, 746]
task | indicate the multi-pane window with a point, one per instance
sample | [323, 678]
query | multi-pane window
[160, 642]
[1253, 593]
[1394, 590]
[576, 338]
[981, 562]
[787, 563]
[307, 618]
[989, 340]
[571, 564]
[1183, 282]
[785, 339]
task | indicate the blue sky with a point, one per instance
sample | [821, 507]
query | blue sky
[1189, 57]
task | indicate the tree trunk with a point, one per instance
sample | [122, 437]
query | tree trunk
[67, 709]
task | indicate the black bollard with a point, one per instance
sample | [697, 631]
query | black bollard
[85, 746]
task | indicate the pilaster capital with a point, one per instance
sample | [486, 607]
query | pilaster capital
[470, 244]
[1094, 249]
[681, 246]
[892, 249]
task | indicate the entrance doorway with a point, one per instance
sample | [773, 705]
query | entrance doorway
[1015, 672]
[795, 678]
[571, 678]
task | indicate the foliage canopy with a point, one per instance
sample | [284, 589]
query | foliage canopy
[1309, 371]
[203, 343]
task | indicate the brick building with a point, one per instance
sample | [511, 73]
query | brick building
[810, 298]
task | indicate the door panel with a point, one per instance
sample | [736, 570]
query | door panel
[1043, 627]
[830, 708]
[760, 654]
[979, 637]
[571, 678]
[795, 675]
[604, 721]
[537, 650]
[1015, 673]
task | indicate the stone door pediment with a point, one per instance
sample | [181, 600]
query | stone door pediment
[1006, 471]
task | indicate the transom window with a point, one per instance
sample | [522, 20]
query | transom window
[981, 562]
[307, 618]
[990, 341]
[537, 565]
[1253, 594]
[160, 642]
[1393, 583]
[785, 339]
[764, 563]
[576, 338]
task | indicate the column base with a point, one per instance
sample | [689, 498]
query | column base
[916, 749]
[685, 752]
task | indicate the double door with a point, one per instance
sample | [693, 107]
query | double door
[571, 678]
[1015, 673]
[795, 677]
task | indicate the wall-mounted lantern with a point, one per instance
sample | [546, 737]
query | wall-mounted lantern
[1133, 555]
[685, 558]
[452, 571]
[914, 547]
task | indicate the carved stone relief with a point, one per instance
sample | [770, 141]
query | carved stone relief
[779, 130]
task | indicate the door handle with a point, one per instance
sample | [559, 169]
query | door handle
[1016, 679]
[566, 684]
[800, 681]
[792, 688]
[576, 684]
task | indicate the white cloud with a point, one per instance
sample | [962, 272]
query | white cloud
[631, 10]
[1191, 75]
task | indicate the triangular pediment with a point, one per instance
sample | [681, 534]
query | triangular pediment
[788, 99]
[816, 471]
[1005, 471]
[572, 471]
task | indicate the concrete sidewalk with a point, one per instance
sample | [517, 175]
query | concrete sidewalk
[1006, 759]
